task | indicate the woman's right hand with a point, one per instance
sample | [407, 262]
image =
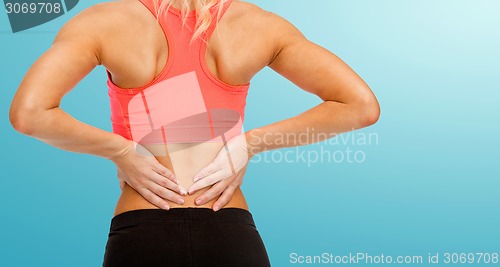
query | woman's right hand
[137, 167]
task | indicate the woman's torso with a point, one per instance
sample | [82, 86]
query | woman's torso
[187, 159]
[134, 57]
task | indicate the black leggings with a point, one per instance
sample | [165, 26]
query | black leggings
[184, 237]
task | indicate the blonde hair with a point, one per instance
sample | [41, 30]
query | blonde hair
[201, 7]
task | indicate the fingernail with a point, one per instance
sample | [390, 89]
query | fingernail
[191, 191]
[181, 201]
[216, 208]
[166, 207]
[183, 191]
[195, 179]
[198, 201]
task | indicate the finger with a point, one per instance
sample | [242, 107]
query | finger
[207, 170]
[164, 193]
[121, 181]
[153, 198]
[211, 193]
[122, 184]
[238, 180]
[164, 171]
[162, 181]
[206, 181]
[224, 198]
[119, 173]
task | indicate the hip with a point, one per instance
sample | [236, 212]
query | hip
[130, 199]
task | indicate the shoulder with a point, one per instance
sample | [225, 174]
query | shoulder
[263, 26]
[257, 17]
[107, 16]
[94, 26]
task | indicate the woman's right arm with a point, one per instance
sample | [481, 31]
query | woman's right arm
[35, 109]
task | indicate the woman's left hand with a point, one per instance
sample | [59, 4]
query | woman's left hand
[224, 189]
[232, 158]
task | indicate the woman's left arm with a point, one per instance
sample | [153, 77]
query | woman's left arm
[348, 102]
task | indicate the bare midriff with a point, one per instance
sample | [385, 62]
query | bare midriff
[185, 160]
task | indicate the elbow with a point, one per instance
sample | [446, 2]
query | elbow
[22, 119]
[372, 114]
[369, 112]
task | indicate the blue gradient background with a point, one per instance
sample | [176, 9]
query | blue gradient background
[430, 185]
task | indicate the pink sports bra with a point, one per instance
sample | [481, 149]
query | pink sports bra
[185, 103]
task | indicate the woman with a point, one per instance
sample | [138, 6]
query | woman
[177, 95]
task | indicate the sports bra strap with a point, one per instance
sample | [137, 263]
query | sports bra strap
[150, 5]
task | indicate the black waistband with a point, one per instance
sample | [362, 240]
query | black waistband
[181, 215]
